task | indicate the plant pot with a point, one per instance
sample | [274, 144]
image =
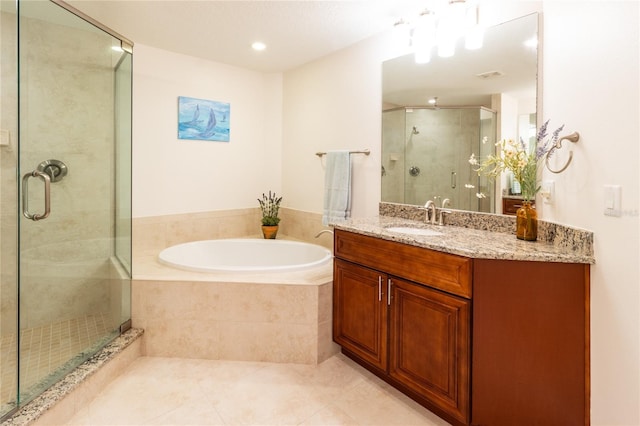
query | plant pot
[269, 232]
[527, 222]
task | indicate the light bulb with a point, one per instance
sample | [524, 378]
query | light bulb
[446, 47]
[422, 56]
[474, 38]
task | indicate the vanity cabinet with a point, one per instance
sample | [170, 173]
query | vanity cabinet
[429, 345]
[477, 341]
[390, 311]
[360, 312]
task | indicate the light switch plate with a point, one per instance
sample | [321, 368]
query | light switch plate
[612, 200]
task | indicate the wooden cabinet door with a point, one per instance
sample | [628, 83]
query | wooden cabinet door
[360, 312]
[430, 343]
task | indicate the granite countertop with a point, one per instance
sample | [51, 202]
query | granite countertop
[473, 243]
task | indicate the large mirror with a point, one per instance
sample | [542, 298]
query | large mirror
[481, 97]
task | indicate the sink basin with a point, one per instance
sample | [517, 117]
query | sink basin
[413, 231]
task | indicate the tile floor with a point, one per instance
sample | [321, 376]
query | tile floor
[175, 391]
[44, 350]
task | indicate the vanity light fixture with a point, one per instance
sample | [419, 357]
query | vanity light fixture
[441, 27]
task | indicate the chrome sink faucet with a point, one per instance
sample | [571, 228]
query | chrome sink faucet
[445, 203]
[430, 206]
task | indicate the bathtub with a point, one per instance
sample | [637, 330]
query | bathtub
[245, 255]
[277, 308]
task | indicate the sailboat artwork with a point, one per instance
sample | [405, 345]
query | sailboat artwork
[200, 119]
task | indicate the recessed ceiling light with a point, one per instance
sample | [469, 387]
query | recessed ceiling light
[258, 45]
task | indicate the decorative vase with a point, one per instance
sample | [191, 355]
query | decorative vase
[527, 222]
[269, 232]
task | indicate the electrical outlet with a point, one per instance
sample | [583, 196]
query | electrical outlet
[547, 191]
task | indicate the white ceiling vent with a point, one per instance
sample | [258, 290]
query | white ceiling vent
[490, 74]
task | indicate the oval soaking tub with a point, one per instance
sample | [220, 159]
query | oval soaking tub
[245, 255]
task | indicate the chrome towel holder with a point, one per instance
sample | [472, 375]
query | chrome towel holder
[573, 137]
[362, 151]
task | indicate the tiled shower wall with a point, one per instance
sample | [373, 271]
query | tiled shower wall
[8, 184]
[61, 120]
[439, 148]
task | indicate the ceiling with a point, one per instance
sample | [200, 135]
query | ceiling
[300, 31]
[295, 32]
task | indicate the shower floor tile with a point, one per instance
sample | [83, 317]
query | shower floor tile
[175, 391]
[45, 349]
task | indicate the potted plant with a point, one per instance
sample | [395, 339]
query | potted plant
[522, 161]
[270, 205]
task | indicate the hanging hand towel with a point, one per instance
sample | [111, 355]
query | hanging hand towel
[337, 187]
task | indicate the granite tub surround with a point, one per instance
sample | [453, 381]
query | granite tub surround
[62, 400]
[478, 235]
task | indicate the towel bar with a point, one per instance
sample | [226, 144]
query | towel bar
[364, 151]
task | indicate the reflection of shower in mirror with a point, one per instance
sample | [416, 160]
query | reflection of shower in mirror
[446, 139]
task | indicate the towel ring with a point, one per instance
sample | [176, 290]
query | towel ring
[573, 137]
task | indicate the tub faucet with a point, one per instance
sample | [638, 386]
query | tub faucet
[323, 231]
[430, 206]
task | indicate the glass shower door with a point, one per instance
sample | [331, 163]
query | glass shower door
[8, 207]
[74, 171]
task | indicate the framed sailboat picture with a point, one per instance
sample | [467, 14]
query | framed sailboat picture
[200, 119]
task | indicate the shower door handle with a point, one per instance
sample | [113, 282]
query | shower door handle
[25, 195]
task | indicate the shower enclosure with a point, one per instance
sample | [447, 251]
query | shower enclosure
[65, 187]
[425, 156]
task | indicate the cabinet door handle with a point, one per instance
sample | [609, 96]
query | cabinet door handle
[379, 288]
[389, 283]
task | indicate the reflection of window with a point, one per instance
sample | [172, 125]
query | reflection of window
[512, 184]
[527, 129]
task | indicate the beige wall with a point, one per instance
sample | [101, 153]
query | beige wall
[173, 176]
[591, 77]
